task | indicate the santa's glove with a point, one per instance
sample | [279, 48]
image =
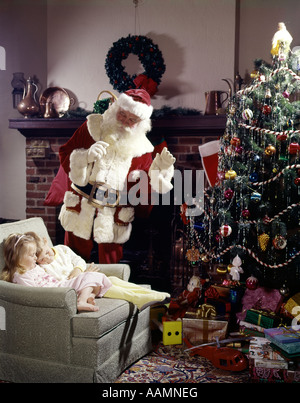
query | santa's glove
[164, 160]
[161, 171]
[96, 151]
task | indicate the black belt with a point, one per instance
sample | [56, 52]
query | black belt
[99, 194]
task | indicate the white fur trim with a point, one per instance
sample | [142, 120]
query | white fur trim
[103, 225]
[80, 169]
[80, 224]
[71, 199]
[135, 175]
[94, 123]
[139, 109]
[122, 233]
[126, 214]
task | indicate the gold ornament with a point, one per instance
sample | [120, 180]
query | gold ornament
[204, 257]
[263, 240]
[270, 150]
[230, 174]
[193, 254]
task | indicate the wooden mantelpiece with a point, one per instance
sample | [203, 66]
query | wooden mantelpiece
[168, 126]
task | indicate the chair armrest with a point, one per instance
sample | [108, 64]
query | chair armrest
[44, 297]
[120, 270]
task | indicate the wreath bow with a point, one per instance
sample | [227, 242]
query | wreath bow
[142, 81]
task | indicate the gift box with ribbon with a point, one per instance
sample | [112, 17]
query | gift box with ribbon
[292, 306]
[262, 318]
[198, 331]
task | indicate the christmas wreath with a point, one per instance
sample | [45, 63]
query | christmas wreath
[150, 57]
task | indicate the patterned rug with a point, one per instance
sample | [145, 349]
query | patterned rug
[170, 364]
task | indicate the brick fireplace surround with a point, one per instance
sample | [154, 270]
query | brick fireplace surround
[45, 136]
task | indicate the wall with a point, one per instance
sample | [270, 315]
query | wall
[258, 24]
[23, 35]
[197, 46]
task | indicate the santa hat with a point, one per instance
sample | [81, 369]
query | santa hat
[209, 154]
[136, 101]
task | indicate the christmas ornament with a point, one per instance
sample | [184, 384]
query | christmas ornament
[204, 257]
[253, 177]
[150, 57]
[256, 197]
[236, 268]
[230, 174]
[297, 181]
[193, 254]
[270, 150]
[294, 148]
[225, 230]
[281, 40]
[285, 94]
[263, 240]
[228, 194]
[281, 137]
[284, 291]
[251, 283]
[266, 109]
[235, 141]
[246, 213]
[247, 114]
[268, 93]
[254, 74]
[239, 149]
[279, 242]
[222, 269]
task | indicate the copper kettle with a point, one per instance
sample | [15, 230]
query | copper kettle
[29, 106]
[214, 102]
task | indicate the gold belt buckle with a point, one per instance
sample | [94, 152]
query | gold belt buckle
[106, 190]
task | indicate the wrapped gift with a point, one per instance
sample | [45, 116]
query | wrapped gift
[199, 331]
[262, 318]
[292, 303]
[260, 348]
[274, 375]
[286, 338]
[204, 311]
[262, 298]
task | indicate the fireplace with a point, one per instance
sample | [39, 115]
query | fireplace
[151, 247]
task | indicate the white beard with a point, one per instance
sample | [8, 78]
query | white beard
[127, 140]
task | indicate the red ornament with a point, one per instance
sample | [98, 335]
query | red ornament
[294, 148]
[235, 141]
[297, 181]
[281, 137]
[225, 230]
[251, 283]
[266, 110]
[246, 213]
[228, 194]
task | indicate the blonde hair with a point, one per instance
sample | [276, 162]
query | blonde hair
[38, 240]
[14, 248]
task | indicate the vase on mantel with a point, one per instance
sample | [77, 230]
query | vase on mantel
[29, 106]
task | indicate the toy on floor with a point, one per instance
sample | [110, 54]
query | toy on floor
[225, 358]
[171, 330]
[189, 298]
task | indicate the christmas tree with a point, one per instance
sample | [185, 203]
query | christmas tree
[250, 224]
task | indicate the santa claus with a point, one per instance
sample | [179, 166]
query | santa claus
[104, 159]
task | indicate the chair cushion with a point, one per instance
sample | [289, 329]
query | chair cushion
[112, 312]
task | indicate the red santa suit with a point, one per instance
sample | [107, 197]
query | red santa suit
[96, 205]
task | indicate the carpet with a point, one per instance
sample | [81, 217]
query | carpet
[170, 364]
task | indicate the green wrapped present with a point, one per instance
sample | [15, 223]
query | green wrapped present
[262, 318]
